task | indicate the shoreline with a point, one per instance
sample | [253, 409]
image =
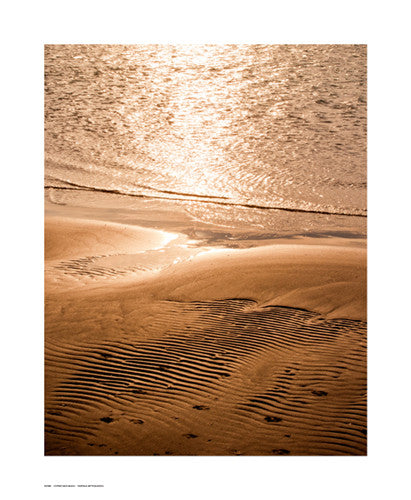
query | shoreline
[222, 226]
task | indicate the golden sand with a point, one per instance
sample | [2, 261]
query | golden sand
[256, 351]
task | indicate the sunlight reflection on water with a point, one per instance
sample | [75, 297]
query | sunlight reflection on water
[277, 126]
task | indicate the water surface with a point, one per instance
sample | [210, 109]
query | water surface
[236, 133]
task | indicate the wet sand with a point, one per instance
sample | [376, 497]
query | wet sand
[156, 345]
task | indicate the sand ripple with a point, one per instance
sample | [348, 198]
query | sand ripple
[212, 378]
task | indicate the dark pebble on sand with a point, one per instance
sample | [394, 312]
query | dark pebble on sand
[280, 451]
[319, 393]
[107, 419]
[272, 419]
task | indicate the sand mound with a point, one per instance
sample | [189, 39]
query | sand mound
[69, 238]
[328, 280]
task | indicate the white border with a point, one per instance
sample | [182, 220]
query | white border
[383, 27]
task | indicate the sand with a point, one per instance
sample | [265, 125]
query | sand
[158, 346]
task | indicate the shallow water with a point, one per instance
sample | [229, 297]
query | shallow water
[237, 133]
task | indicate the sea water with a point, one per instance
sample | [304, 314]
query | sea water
[268, 136]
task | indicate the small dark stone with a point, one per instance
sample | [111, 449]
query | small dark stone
[201, 407]
[107, 419]
[280, 451]
[319, 393]
[272, 419]
[190, 436]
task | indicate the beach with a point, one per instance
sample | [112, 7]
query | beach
[156, 344]
[205, 249]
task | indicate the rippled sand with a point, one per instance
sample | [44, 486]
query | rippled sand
[156, 345]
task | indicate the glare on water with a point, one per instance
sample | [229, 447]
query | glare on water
[251, 125]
